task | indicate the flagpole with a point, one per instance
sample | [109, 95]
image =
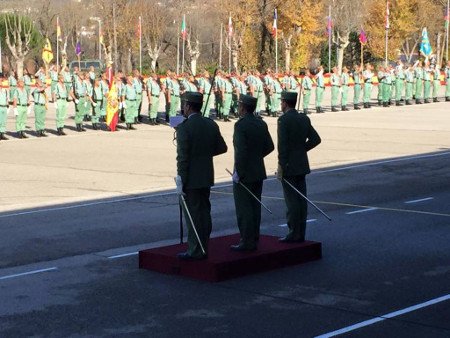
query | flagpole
[329, 38]
[1, 60]
[221, 44]
[447, 28]
[229, 45]
[100, 40]
[178, 54]
[386, 34]
[140, 44]
[57, 44]
[184, 40]
[276, 48]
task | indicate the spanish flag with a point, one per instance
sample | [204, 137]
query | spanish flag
[112, 107]
[47, 54]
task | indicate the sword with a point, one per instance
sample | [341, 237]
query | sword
[183, 202]
[249, 191]
[209, 94]
[306, 198]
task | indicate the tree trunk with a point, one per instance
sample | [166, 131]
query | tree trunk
[234, 58]
[287, 55]
[153, 64]
[194, 66]
[19, 65]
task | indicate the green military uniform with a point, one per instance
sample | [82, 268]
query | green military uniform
[345, 78]
[399, 85]
[409, 79]
[367, 76]
[386, 81]
[205, 86]
[259, 94]
[105, 90]
[392, 89]
[174, 90]
[130, 98]
[436, 83]
[137, 83]
[27, 83]
[252, 142]
[447, 83]
[12, 87]
[227, 91]
[21, 95]
[198, 141]
[81, 105]
[99, 101]
[4, 98]
[381, 75]
[40, 110]
[277, 89]
[418, 74]
[269, 93]
[296, 136]
[320, 88]
[427, 84]
[61, 95]
[54, 79]
[307, 85]
[68, 81]
[154, 91]
[356, 89]
[335, 87]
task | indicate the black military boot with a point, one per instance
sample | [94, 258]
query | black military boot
[22, 135]
[136, 120]
[408, 102]
[435, 99]
[2, 137]
[418, 101]
[398, 103]
[427, 101]
[305, 111]
[356, 107]
[333, 108]
[447, 99]
[380, 103]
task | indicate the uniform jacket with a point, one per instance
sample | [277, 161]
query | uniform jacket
[252, 142]
[198, 141]
[296, 136]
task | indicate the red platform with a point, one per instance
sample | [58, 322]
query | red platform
[222, 263]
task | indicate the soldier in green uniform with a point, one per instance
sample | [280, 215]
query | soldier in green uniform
[174, 88]
[105, 89]
[198, 141]
[385, 79]
[67, 79]
[153, 92]
[252, 142]
[227, 91]
[392, 92]
[21, 101]
[381, 75]
[80, 97]
[267, 87]
[307, 85]
[436, 71]
[98, 100]
[320, 88]
[276, 106]
[345, 79]
[427, 82]
[4, 103]
[235, 93]
[204, 87]
[399, 83]
[335, 88]
[367, 77]
[259, 92]
[409, 83]
[12, 80]
[91, 75]
[41, 75]
[54, 78]
[357, 77]
[418, 75]
[40, 107]
[60, 97]
[296, 136]
[447, 82]
[89, 109]
[27, 81]
[139, 86]
[129, 99]
[165, 87]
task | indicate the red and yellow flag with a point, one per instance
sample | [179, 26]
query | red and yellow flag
[112, 107]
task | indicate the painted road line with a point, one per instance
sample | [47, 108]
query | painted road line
[28, 273]
[307, 221]
[421, 200]
[123, 255]
[384, 317]
[219, 186]
[360, 211]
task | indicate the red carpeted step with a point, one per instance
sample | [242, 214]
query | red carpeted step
[222, 263]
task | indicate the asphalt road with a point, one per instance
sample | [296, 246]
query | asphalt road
[71, 270]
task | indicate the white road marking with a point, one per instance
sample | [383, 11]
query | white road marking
[123, 255]
[360, 211]
[307, 221]
[28, 273]
[384, 317]
[418, 201]
[225, 185]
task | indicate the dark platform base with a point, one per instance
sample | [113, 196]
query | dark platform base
[222, 263]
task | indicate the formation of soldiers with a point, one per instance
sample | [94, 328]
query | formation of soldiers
[87, 92]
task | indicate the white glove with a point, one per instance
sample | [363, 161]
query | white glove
[94, 104]
[16, 112]
[124, 105]
[279, 173]
[77, 101]
[120, 105]
[56, 105]
[85, 104]
[179, 184]
[235, 177]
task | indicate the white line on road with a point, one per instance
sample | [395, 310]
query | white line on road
[384, 317]
[225, 185]
[307, 221]
[28, 273]
[418, 201]
[360, 211]
[123, 255]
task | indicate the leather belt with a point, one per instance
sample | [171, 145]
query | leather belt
[39, 104]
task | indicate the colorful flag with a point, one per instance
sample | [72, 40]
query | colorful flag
[47, 54]
[329, 26]
[78, 49]
[139, 28]
[112, 107]
[183, 28]
[425, 46]
[230, 27]
[275, 26]
[362, 37]
[58, 30]
[387, 15]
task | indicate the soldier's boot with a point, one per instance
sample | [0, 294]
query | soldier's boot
[418, 101]
[2, 137]
[408, 102]
[21, 134]
[385, 104]
[43, 133]
[333, 108]
[356, 107]
[390, 102]
[427, 101]
[447, 99]
[398, 103]
[152, 122]
[435, 99]
[305, 111]
[62, 133]
[344, 108]
[380, 103]
[38, 133]
[136, 120]
[95, 126]
[139, 117]
[130, 126]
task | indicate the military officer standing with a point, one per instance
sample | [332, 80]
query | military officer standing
[98, 101]
[335, 88]
[357, 77]
[367, 77]
[153, 92]
[4, 102]
[27, 81]
[277, 90]
[174, 89]
[204, 87]
[129, 99]
[139, 87]
[418, 75]
[320, 88]
[198, 141]
[427, 82]
[409, 83]
[12, 85]
[21, 101]
[381, 76]
[345, 79]
[400, 82]
[252, 142]
[436, 82]
[447, 82]
[60, 98]
[80, 97]
[296, 136]
[40, 107]
[306, 90]
[54, 79]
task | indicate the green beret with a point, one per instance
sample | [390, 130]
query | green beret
[289, 96]
[193, 97]
[248, 100]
